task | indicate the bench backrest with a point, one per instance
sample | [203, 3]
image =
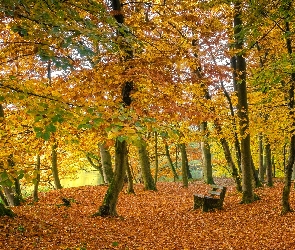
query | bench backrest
[218, 190]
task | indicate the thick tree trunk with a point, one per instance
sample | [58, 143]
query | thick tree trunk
[144, 160]
[206, 156]
[240, 76]
[108, 207]
[3, 198]
[37, 180]
[9, 194]
[6, 211]
[18, 197]
[167, 152]
[289, 168]
[106, 161]
[184, 164]
[54, 167]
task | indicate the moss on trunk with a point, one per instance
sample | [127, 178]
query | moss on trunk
[184, 165]
[54, 167]
[6, 211]
[175, 175]
[106, 161]
[108, 207]
[148, 180]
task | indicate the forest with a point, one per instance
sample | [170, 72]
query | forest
[161, 98]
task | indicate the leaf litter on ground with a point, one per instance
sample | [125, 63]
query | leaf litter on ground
[150, 220]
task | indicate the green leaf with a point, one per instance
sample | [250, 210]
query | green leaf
[4, 176]
[50, 128]
[97, 121]
[39, 134]
[21, 174]
[37, 129]
[11, 77]
[6, 183]
[38, 118]
[57, 118]
[122, 138]
[86, 126]
[46, 136]
[115, 244]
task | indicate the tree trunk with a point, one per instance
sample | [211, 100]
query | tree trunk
[144, 160]
[54, 167]
[18, 197]
[240, 76]
[256, 180]
[289, 168]
[108, 207]
[261, 165]
[6, 211]
[184, 164]
[156, 158]
[175, 175]
[106, 161]
[9, 194]
[3, 198]
[37, 180]
[268, 164]
[206, 155]
[130, 188]
[231, 164]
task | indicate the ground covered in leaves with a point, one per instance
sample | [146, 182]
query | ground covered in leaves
[150, 220]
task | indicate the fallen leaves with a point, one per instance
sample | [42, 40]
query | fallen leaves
[149, 220]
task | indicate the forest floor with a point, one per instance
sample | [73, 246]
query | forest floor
[150, 220]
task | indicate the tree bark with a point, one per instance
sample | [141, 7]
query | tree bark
[206, 155]
[108, 207]
[167, 152]
[37, 180]
[156, 157]
[229, 159]
[289, 167]
[261, 165]
[54, 167]
[144, 160]
[106, 161]
[6, 211]
[130, 188]
[268, 164]
[184, 164]
[240, 76]
[3, 198]
[8, 191]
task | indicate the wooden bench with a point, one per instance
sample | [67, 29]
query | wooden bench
[214, 199]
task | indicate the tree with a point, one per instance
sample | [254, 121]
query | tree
[106, 162]
[240, 77]
[289, 168]
[108, 207]
[148, 180]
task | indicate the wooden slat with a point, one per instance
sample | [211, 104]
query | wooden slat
[214, 192]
